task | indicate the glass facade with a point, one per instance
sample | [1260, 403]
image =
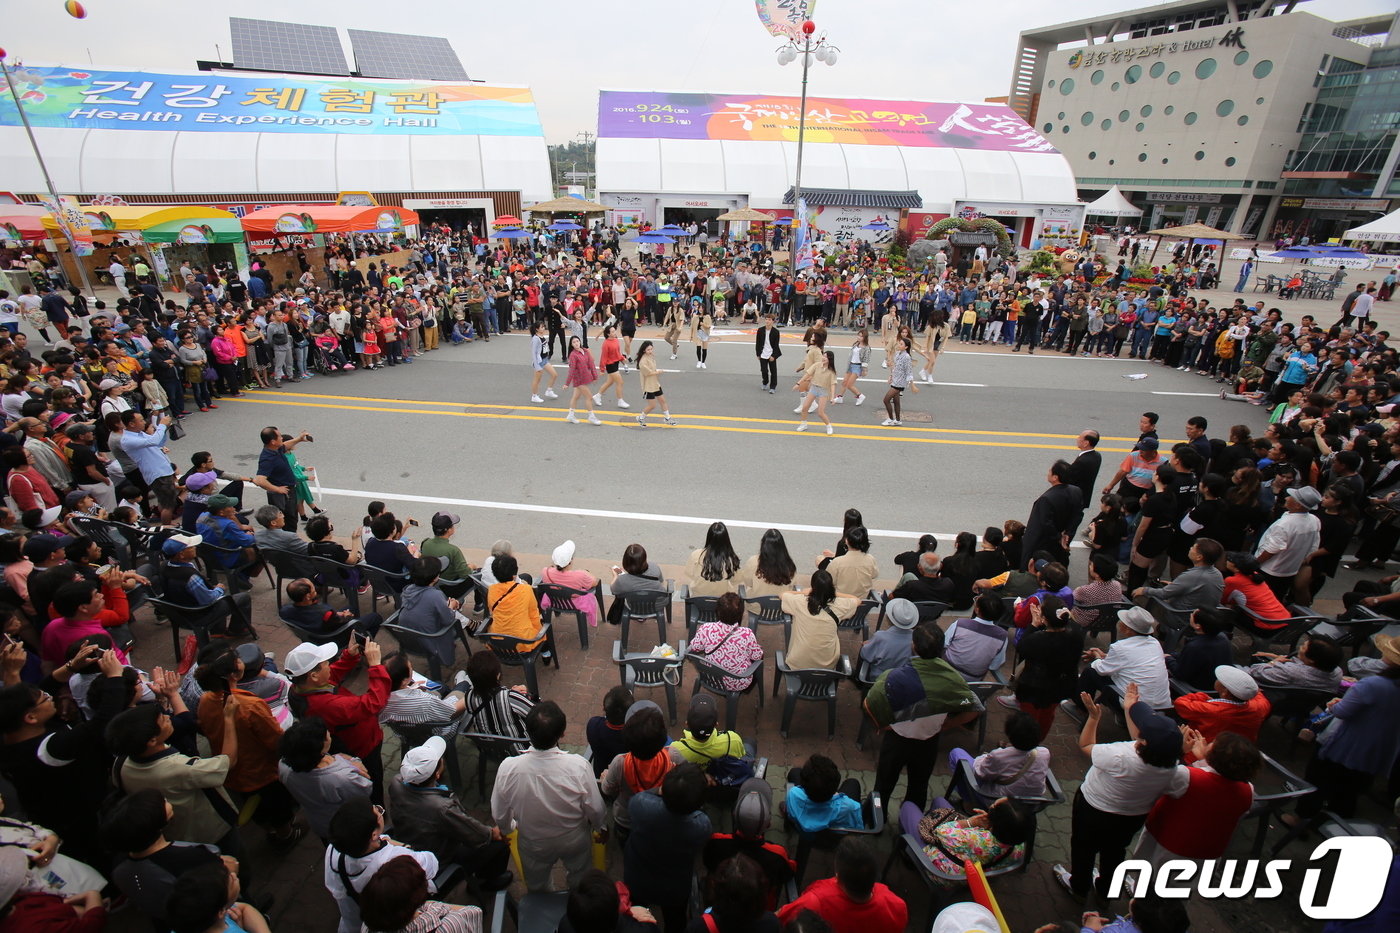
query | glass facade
[1350, 127]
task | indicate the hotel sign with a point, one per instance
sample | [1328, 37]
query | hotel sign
[1084, 58]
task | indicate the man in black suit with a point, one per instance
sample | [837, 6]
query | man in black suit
[1084, 471]
[1055, 515]
[766, 348]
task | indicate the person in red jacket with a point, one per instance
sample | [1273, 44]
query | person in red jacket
[81, 608]
[353, 719]
[1198, 823]
[1238, 707]
[853, 901]
[27, 912]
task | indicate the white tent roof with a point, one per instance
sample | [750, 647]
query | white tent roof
[1112, 203]
[1381, 230]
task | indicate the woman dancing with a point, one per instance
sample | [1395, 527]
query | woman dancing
[651, 385]
[860, 353]
[901, 378]
[583, 372]
[611, 358]
[539, 360]
[821, 380]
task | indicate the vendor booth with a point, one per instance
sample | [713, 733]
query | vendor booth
[285, 235]
[145, 230]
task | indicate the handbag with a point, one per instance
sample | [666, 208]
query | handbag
[176, 430]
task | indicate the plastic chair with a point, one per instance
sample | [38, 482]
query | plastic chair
[710, 676]
[333, 575]
[1293, 630]
[419, 644]
[284, 566]
[767, 610]
[234, 576]
[340, 637]
[561, 600]
[196, 619]
[930, 610]
[812, 684]
[504, 648]
[1269, 806]
[107, 536]
[541, 913]
[698, 610]
[984, 690]
[975, 796]
[1105, 618]
[937, 881]
[493, 748]
[647, 606]
[383, 584]
[872, 813]
[859, 619]
[1294, 704]
[1171, 621]
[642, 670]
[865, 681]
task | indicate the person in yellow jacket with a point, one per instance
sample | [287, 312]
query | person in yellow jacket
[651, 385]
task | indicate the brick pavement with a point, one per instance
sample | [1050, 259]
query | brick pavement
[1029, 898]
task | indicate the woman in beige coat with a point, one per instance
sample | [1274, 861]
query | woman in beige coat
[713, 570]
[815, 640]
[821, 383]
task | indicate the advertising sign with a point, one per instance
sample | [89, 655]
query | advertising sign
[221, 103]
[925, 124]
[76, 225]
[784, 17]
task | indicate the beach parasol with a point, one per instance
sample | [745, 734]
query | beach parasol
[559, 225]
[747, 214]
[567, 205]
[506, 220]
[510, 233]
[651, 238]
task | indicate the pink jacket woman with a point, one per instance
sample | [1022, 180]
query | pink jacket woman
[582, 370]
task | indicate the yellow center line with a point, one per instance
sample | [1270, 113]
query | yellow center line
[627, 421]
[903, 429]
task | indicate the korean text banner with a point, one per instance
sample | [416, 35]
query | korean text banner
[652, 114]
[784, 17]
[221, 103]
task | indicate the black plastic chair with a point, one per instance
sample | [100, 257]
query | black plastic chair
[864, 680]
[1105, 618]
[108, 537]
[1171, 621]
[1268, 806]
[504, 647]
[561, 600]
[196, 619]
[1293, 705]
[767, 610]
[493, 748]
[384, 584]
[872, 813]
[710, 676]
[984, 690]
[283, 566]
[1294, 628]
[418, 644]
[647, 606]
[698, 610]
[340, 636]
[859, 620]
[412, 735]
[235, 577]
[811, 684]
[333, 575]
[930, 610]
[643, 670]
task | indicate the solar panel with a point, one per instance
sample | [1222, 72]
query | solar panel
[269, 46]
[397, 55]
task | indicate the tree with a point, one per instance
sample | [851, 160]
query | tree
[576, 155]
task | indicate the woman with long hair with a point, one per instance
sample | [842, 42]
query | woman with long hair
[651, 385]
[816, 343]
[539, 362]
[701, 324]
[714, 569]
[901, 378]
[855, 368]
[770, 571]
[821, 379]
[611, 358]
[961, 567]
[583, 372]
[1154, 529]
[815, 641]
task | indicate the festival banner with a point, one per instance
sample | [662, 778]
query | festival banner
[926, 124]
[219, 102]
[784, 18]
[75, 224]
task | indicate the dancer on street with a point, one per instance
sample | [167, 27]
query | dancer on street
[583, 372]
[700, 326]
[816, 344]
[767, 348]
[539, 360]
[675, 317]
[821, 379]
[901, 378]
[651, 385]
[860, 354]
[611, 358]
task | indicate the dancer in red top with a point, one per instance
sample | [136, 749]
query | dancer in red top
[583, 372]
[611, 359]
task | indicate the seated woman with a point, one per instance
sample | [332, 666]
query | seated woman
[713, 569]
[1016, 769]
[426, 609]
[561, 573]
[727, 644]
[770, 571]
[634, 575]
[994, 838]
[512, 605]
[815, 640]
[1245, 589]
[491, 707]
[1206, 647]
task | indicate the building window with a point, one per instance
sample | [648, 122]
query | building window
[1157, 69]
[1096, 77]
[1224, 108]
[1133, 74]
[1174, 77]
[1086, 118]
[1146, 111]
[1190, 118]
[1200, 155]
[1067, 86]
[1231, 161]
[1241, 58]
[1262, 70]
[1204, 68]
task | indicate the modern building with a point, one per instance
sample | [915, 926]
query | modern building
[1197, 109]
[667, 157]
[288, 121]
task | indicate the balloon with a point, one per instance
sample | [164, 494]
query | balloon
[75, 9]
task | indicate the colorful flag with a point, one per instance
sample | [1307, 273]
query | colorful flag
[72, 221]
[801, 249]
[784, 17]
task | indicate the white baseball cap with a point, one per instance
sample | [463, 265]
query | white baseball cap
[420, 763]
[306, 657]
[564, 554]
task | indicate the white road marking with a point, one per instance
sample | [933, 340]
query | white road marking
[965, 385]
[1196, 394]
[626, 516]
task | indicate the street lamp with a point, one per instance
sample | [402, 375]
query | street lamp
[43, 167]
[809, 47]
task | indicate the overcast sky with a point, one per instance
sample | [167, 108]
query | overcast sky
[566, 50]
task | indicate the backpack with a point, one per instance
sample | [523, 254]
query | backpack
[727, 770]
[1225, 345]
